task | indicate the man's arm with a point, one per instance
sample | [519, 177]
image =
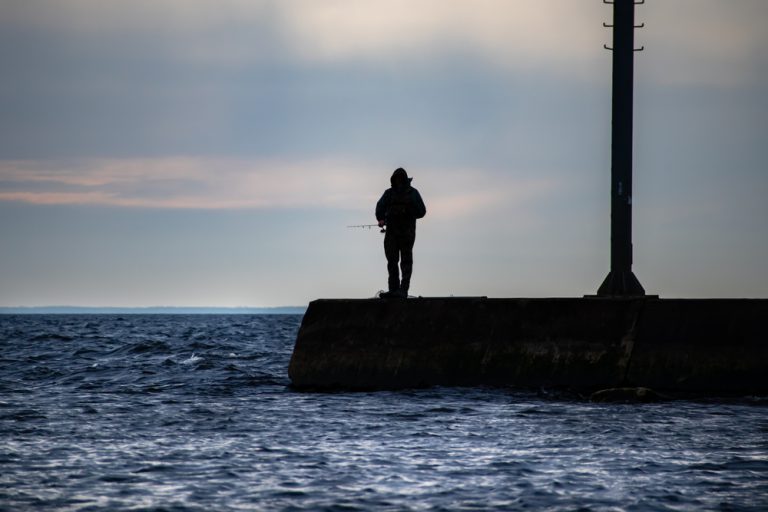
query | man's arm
[381, 207]
[419, 210]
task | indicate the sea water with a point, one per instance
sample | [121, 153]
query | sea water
[175, 412]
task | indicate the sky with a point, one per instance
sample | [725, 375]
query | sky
[213, 152]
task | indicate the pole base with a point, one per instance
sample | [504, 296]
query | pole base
[622, 284]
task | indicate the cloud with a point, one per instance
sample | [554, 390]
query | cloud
[703, 42]
[330, 29]
[87, 78]
[177, 182]
[222, 183]
[688, 41]
[503, 31]
[692, 40]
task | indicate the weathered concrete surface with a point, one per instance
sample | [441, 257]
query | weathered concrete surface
[702, 345]
[588, 343]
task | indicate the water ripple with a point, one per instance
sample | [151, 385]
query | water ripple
[195, 413]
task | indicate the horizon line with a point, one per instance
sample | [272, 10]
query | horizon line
[152, 309]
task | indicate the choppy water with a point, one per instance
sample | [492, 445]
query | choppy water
[195, 413]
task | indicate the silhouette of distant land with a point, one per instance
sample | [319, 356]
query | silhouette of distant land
[154, 310]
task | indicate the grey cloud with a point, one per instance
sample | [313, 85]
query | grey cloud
[138, 89]
[451, 108]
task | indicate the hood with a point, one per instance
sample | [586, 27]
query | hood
[400, 174]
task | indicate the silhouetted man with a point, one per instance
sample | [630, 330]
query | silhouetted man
[398, 209]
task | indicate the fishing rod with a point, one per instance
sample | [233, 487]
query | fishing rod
[368, 226]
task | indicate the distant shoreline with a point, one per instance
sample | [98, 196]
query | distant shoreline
[154, 310]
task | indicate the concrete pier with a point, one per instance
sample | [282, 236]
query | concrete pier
[697, 345]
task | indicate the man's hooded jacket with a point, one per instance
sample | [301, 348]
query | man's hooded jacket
[401, 204]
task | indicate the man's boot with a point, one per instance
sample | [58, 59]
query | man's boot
[404, 285]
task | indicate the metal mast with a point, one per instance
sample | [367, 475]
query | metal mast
[621, 281]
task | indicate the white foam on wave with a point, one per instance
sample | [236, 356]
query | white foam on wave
[192, 359]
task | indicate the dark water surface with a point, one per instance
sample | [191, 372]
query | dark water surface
[175, 412]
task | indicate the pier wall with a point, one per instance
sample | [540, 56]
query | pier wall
[707, 345]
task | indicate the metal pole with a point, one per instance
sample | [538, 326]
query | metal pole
[621, 281]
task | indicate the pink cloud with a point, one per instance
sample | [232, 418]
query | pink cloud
[211, 183]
